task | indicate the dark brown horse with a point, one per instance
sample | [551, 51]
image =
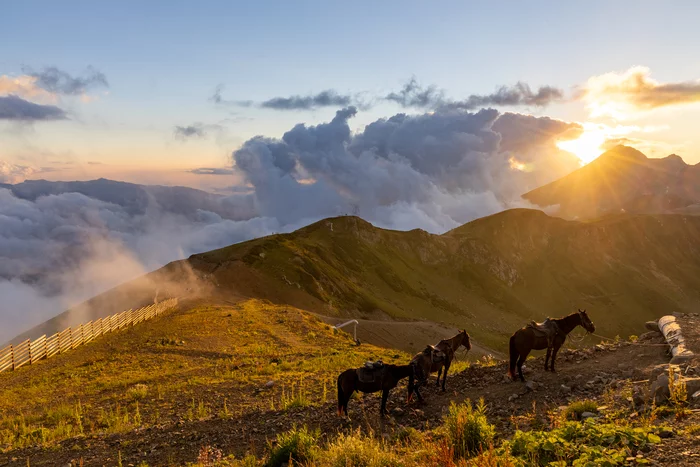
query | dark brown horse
[386, 379]
[527, 339]
[448, 347]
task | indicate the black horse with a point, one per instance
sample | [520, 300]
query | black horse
[385, 380]
[549, 335]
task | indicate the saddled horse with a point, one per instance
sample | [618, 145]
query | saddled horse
[382, 379]
[549, 335]
[446, 348]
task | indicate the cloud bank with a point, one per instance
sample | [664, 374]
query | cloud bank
[63, 242]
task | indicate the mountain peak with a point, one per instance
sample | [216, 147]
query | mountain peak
[621, 153]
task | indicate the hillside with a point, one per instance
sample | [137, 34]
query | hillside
[623, 179]
[243, 381]
[489, 276]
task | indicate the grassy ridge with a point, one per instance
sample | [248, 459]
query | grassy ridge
[204, 361]
[489, 276]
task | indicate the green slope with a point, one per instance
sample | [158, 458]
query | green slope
[489, 276]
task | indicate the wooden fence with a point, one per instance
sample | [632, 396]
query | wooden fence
[30, 351]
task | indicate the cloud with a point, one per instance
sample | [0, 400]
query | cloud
[212, 171]
[60, 241]
[445, 168]
[620, 94]
[15, 108]
[327, 98]
[191, 131]
[509, 96]
[218, 99]
[26, 87]
[197, 130]
[412, 94]
[57, 81]
[415, 95]
[13, 173]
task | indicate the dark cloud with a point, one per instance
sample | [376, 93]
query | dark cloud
[15, 108]
[327, 98]
[60, 82]
[509, 96]
[415, 95]
[211, 171]
[195, 130]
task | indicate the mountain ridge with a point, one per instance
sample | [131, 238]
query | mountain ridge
[622, 180]
[490, 275]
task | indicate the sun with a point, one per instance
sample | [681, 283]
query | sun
[586, 147]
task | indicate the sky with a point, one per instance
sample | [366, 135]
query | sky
[409, 114]
[160, 64]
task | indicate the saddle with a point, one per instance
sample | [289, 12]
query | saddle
[371, 372]
[436, 355]
[548, 329]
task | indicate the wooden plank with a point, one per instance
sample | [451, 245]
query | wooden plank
[66, 341]
[52, 345]
[88, 333]
[37, 349]
[5, 366]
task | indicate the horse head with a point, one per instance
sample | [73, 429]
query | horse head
[466, 341]
[586, 321]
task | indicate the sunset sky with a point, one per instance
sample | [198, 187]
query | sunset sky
[147, 91]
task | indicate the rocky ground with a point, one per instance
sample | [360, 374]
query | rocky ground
[615, 375]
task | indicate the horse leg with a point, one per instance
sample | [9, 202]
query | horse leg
[546, 358]
[385, 396]
[439, 373]
[521, 360]
[444, 375]
[554, 355]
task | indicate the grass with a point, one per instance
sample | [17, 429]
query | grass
[131, 379]
[475, 273]
[574, 410]
[467, 429]
[295, 446]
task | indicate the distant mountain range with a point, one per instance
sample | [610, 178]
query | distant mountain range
[624, 180]
[491, 275]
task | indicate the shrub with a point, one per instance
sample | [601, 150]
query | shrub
[586, 443]
[137, 392]
[467, 429]
[358, 451]
[575, 409]
[299, 445]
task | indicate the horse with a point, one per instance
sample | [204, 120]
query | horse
[386, 379]
[549, 335]
[447, 347]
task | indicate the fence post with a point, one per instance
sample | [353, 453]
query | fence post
[29, 351]
[12, 356]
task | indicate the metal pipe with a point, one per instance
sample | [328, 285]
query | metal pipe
[352, 321]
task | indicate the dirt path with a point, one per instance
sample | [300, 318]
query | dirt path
[588, 373]
[409, 336]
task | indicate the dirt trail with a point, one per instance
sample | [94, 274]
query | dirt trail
[409, 336]
[588, 373]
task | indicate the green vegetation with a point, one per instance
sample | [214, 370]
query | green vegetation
[467, 429]
[576, 409]
[490, 275]
[129, 379]
[297, 446]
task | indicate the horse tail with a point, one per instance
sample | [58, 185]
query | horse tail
[513, 357]
[340, 395]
